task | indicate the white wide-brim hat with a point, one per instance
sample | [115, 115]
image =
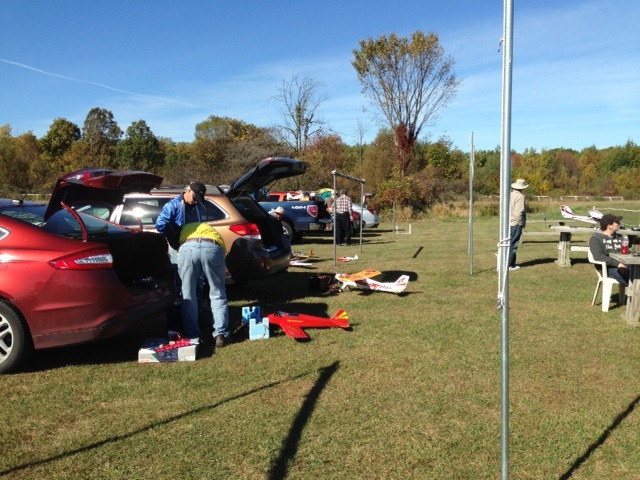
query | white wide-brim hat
[519, 184]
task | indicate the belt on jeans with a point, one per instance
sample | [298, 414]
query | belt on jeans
[200, 239]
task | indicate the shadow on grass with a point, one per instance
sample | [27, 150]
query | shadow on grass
[537, 261]
[289, 292]
[529, 263]
[119, 349]
[289, 448]
[306, 409]
[601, 439]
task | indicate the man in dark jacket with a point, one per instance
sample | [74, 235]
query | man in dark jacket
[605, 242]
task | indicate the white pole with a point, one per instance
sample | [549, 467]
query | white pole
[503, 271]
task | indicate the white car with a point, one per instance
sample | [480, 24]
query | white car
[369, 215]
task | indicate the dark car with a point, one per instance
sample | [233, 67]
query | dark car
[74, 277]
[256, 247]
[32, 212]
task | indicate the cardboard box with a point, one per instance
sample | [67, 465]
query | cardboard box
[147, 354]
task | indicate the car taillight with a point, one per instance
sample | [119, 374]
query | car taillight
[312, 210]
[247, 229]
[87, 260]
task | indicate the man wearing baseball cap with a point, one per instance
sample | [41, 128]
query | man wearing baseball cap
[605, 242]
[201, 252]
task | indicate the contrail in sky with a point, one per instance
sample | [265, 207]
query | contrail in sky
[34, 69]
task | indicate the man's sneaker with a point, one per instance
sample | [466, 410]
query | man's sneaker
[514, 268]
[220, 341]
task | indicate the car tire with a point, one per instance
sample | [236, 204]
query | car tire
[15, 345]
[288, 229]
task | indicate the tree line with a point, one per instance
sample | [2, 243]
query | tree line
[223, 148]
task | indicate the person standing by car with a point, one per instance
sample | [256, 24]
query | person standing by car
[277, 212]
[343, 207]
[201, 252]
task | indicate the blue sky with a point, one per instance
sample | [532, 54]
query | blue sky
[576, 64]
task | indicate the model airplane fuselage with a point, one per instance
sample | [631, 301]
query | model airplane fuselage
[293, 323]
[594, 215]
[398, 286]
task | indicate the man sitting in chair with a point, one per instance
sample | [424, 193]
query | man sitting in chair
[605, 242]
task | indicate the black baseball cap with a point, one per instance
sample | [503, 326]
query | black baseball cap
[608, 219]
[198, 190]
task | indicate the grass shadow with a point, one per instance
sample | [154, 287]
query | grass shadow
[290, 444]
[152, 425]
[601, 439]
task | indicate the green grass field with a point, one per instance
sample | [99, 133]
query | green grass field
[412, 391]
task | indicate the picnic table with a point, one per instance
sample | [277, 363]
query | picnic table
[632, 312]
[564, 242]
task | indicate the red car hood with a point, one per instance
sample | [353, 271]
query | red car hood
[99, 184]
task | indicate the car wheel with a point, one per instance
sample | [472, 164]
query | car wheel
[14, 342]
[287, 229]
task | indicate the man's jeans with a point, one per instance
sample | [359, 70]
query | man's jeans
[515, 232]
[620, 274]
[197, 259]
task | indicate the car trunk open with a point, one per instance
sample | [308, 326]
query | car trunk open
[140, 260]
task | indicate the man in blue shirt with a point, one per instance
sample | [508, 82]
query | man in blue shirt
[201, 252]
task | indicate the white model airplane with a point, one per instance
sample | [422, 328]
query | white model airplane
[594, 215]
[363, 281]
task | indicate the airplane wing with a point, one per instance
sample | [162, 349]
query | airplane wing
[368, 273]
[300, 263]
[292, 330]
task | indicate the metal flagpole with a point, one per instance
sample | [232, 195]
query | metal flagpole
[471, 165]
[503, 250]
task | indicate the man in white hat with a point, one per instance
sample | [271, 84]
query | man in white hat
[517, 219]
[277, 212]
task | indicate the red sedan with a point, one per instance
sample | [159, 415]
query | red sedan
[77, 278]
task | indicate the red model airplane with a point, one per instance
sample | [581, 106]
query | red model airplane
[293, 323]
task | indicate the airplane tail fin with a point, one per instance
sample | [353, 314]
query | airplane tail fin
[340, 319]
[566, 212]
[402, 282]
[595, 214]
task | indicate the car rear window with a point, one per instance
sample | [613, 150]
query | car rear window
[29, 213]
[146, 211]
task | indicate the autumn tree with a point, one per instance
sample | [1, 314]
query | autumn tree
[61, 135]
[100, 136]
[140, 149]
[177, 162]
[224, 147]
[409, 80]
[300, 99]
[377, 159]
[324, 154]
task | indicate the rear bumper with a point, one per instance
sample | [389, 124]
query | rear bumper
[248, 261]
